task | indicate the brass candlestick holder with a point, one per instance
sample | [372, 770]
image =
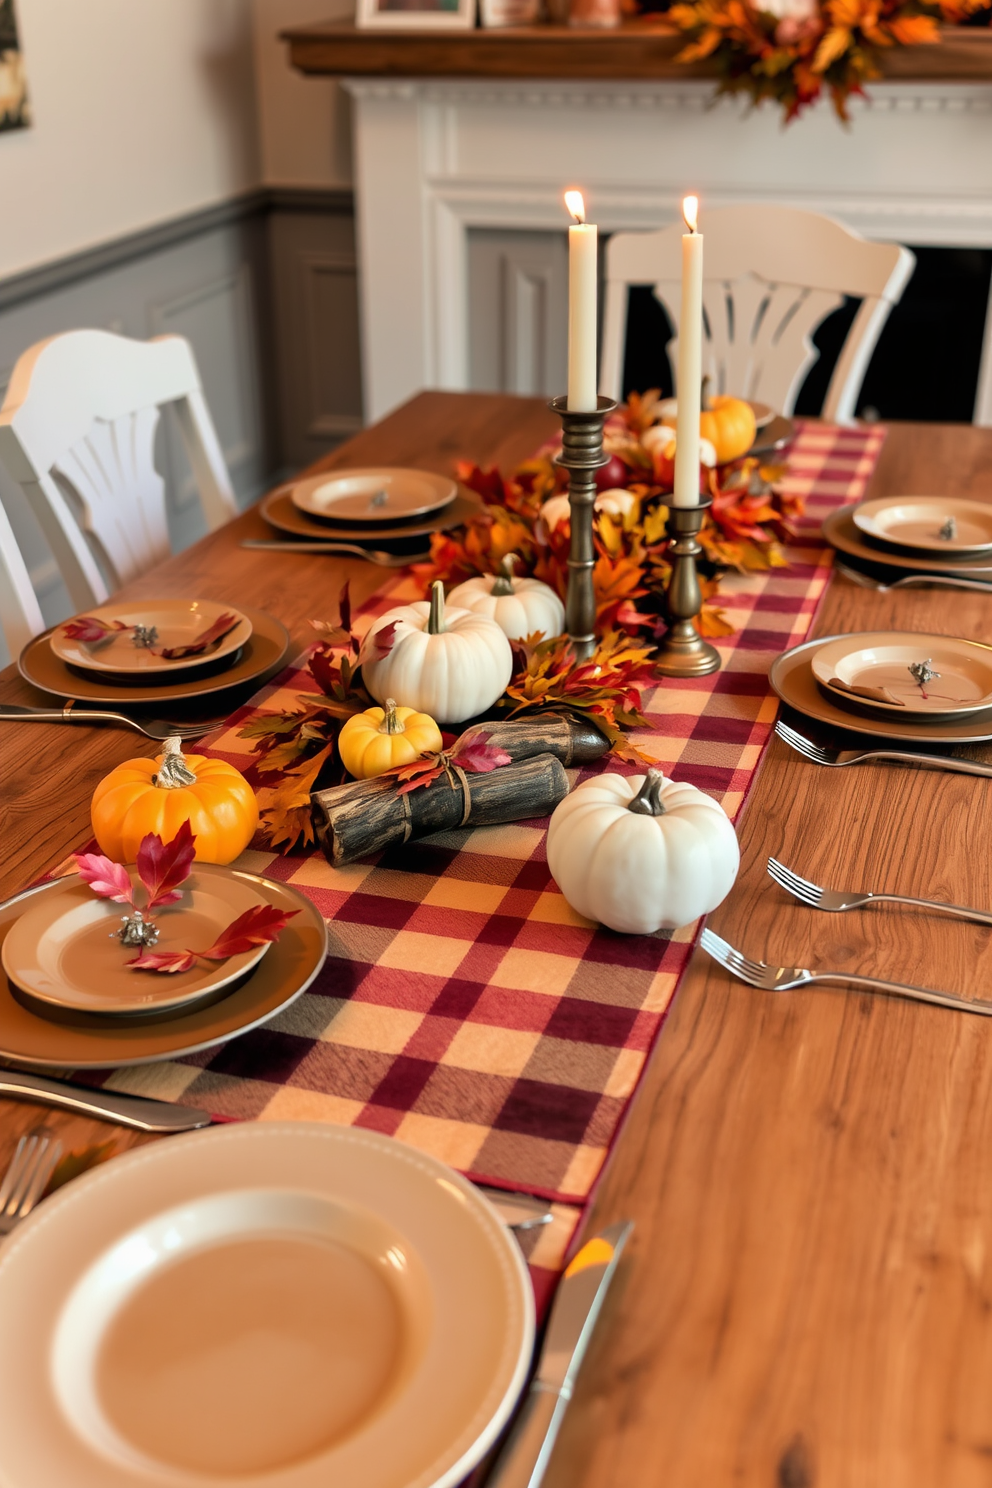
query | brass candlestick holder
[683, 652]
[581, 455]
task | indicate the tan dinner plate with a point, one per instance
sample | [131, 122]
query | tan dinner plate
[878, 664]
[792, 680]
[916, 522]
[286, 970]
[177, 622]
[279, 511]
[262, 1305]
[260, 657]
[64, 950]
[378, 497]
[841, 532]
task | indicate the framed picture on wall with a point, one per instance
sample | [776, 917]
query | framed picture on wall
[13, 88]
[416, 15]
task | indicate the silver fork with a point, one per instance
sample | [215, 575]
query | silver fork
[373, 555]
[835, 900]
[914, 581]
[152, 728]
[24, 1181]
[820, 754]
[782, 978]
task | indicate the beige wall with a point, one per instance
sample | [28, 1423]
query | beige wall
[143, 110]
[304, 122]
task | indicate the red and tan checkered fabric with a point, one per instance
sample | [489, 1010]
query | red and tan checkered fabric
[465, 1008]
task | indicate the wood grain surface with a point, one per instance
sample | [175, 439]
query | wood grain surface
[638, 49]
[807, 1297]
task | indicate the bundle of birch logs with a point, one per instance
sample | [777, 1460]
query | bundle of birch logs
[352, 821]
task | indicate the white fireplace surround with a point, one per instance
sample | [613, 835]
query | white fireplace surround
[435, 158]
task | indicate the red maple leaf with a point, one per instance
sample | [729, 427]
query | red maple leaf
[162, 867]
[257, 926]
[212, 636]
[478, 756]
[89, 629]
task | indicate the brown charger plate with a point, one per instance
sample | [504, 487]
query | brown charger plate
[262, 654]
[285, 971]
[841, 533]
[278, 510]
[792, 680]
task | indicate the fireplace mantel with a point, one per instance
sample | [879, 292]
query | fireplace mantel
[636, 50]
[454, 137]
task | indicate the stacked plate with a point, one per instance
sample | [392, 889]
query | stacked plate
[292, 1306]
[919, 689]
[384, 507]
[67, 997]
[163, 650]
[915, 535]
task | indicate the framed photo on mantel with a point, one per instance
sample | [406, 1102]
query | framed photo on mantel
[415, 15]
[13, 89]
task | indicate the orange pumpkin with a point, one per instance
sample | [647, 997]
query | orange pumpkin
[158, 795]
[728, 423]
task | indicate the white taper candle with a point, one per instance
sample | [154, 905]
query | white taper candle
[582, 297]
[690, 374]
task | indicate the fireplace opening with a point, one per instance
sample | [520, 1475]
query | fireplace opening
[926, 364]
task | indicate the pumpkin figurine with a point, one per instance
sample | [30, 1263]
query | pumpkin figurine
[640, 853]
[450, 664]
[379, 739]
[158, 795]
[728, 423]
[520, 607]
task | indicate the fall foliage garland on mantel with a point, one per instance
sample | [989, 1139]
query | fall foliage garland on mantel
[792, 50]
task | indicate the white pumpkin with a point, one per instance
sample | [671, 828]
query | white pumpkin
[641, 853]
[661, 437]
[616, 502]
[519, 606]
[450, 664]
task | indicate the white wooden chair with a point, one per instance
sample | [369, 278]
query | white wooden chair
[77, 430]
[772, 274]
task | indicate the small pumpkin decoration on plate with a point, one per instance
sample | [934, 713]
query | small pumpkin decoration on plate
[640, 853]
[728, 423]
[520, 607]
[158, 795]
[450, 664]
[379, 739]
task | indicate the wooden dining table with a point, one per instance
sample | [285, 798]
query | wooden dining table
[807, 1295]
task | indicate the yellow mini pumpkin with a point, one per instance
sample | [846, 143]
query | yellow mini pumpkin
[380, 738]
[158, 795]
[728, 423]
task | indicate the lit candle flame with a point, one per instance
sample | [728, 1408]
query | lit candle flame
[690, 211]
[575, 205]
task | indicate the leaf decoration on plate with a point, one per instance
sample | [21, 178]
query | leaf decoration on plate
[212, 636]
[90, 629]
[163, 866]
[259, 925]
[106, 878]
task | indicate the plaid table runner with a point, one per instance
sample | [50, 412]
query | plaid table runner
[464, 1007]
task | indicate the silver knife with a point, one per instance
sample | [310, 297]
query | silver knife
[106, 1105]
[581, 1292]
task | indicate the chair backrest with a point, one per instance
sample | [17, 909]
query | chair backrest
[771, 275]
[20, 614]
[77, 433]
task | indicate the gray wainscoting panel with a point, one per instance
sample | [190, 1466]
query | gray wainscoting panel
[265, 290]
[518, 311]
[315, 328]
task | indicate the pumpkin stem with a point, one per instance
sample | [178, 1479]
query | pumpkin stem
[705, 401]
[174, 772]
[504, 583]
[435, 620]
[648, 800]
[390, 723]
